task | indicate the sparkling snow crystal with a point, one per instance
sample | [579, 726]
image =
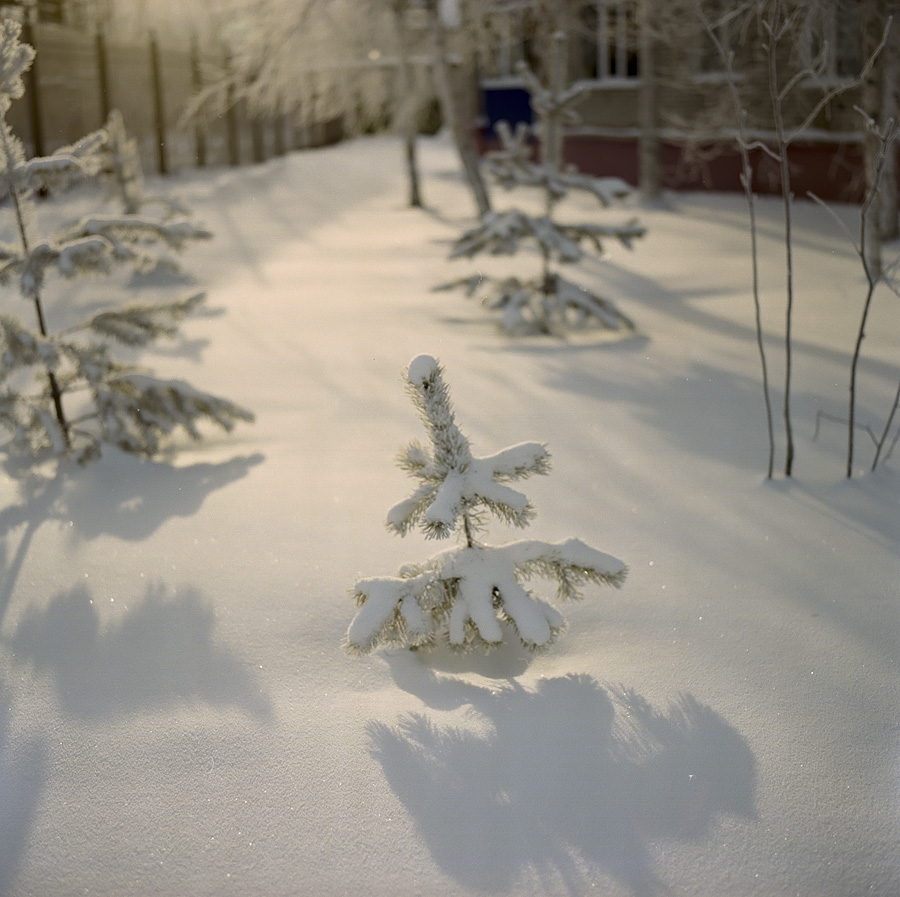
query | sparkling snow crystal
[465, 594]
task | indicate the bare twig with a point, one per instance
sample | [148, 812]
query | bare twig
[885, 142]
[838, 89]
[747, 184]
[776, 28]
[879, 443]
[833, 418]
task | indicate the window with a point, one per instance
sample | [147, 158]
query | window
[832, 41]
[609, 30]
[51, 11]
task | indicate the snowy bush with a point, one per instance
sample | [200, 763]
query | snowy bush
[465, 593]
[64, 392]
[548, 303]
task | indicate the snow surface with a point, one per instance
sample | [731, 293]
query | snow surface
[178, 717]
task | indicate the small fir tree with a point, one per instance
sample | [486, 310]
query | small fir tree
[464, 593]
[121, 168]
[549, 303]
[64, 392]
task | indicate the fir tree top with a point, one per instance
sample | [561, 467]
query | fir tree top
[15, 60]
[456, 486]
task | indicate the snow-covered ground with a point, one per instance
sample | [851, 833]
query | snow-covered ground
[177, 715]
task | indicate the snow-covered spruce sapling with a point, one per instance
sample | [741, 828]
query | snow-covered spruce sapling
[548, 303]
[63, 392]
[464, 594]
[121, 168]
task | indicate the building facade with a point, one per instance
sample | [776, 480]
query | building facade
[651, 65]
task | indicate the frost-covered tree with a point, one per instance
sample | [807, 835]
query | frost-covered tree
[63, 392]
[465, 593]
[549, 303]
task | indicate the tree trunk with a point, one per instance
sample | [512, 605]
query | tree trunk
[551, 119]
[406, 107]
[776, 28]
[459, 127]
[889, 213]
[872, 13]
[648, 141]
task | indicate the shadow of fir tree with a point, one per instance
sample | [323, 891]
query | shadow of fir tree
[567, 782]
[22, 779]
[159, 654]
[120, 495]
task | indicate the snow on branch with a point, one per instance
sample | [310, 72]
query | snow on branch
[141, 322]
[23, 347]
[468, 594]
[76, 258]
[15, 60]
[33, 428]
[391, 611]
[548, 102]
[500, 233]
[580, 306]
[94, 245]
[52, 173]
[512, 166]
[136, 410]
[131, 229]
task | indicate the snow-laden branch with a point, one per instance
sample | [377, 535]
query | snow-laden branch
[473, 590]
[94, 245]
[513, 166]
[52, 173]
[124, 230]
[142, 322]
[23, 347]
[500, 233]
[551, 305]
[136, 411]
[15, 59]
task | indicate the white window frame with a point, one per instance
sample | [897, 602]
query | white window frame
[617, 40]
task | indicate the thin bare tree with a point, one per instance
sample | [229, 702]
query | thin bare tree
[453, 109]
[744, 143]
[885, 139]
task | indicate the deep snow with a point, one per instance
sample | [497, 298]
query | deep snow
[178, 716]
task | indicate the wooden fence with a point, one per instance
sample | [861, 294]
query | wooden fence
[78, 78]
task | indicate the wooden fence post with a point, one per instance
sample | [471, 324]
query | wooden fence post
[231, 121]
[199, 125]
[159, 111]
[33, 89]
[258, 138]
[280, 149]
[102, 75]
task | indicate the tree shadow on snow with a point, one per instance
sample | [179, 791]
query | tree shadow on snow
[120, 495]
[159, 653]
[22, 778]
[564, 783]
